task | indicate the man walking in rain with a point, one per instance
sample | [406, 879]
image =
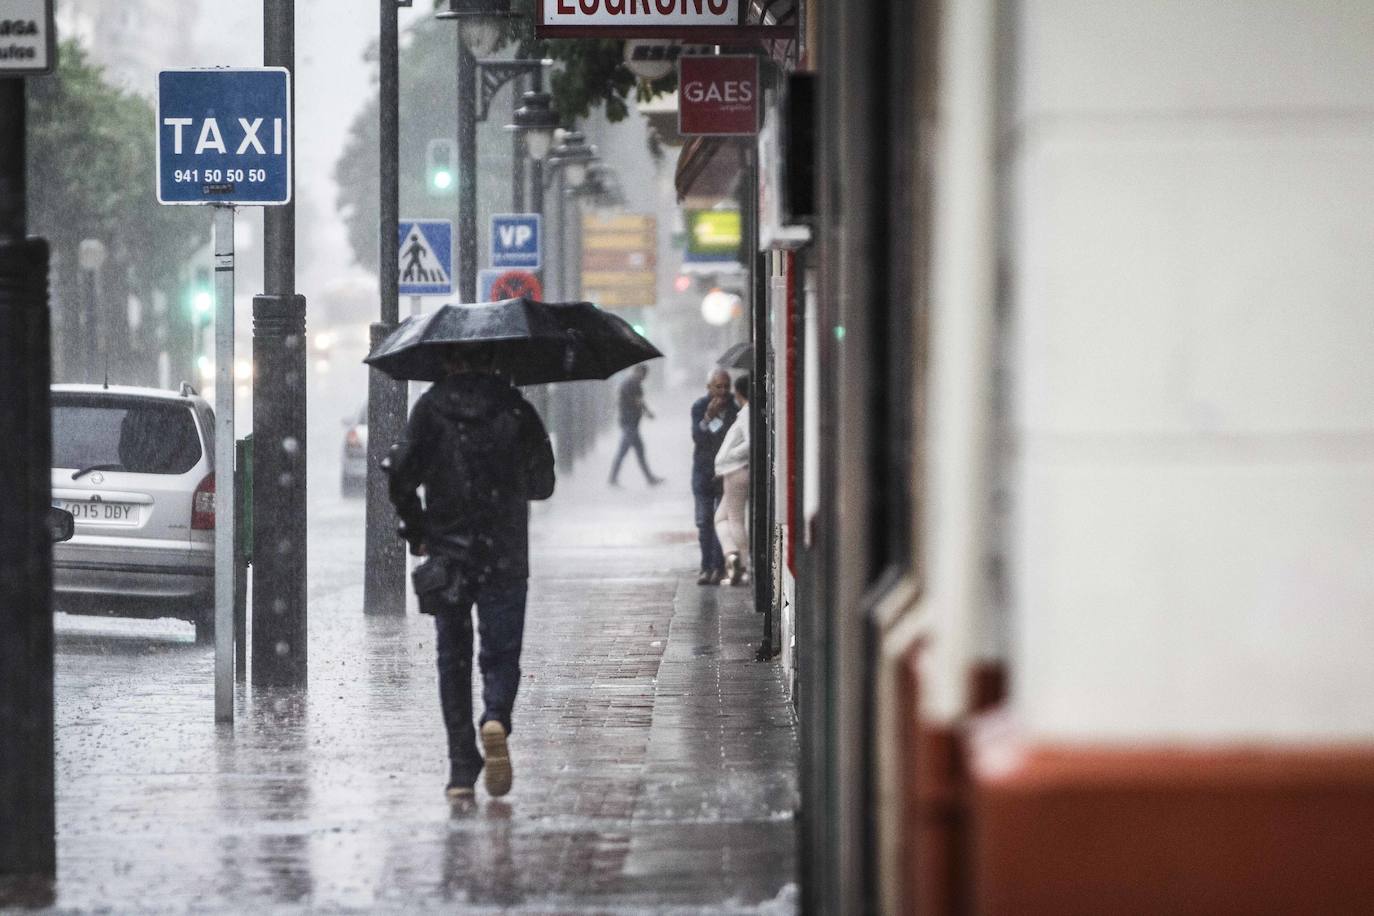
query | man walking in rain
[481, 453]
[632, 410]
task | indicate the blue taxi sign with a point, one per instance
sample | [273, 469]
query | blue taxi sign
[224, 136]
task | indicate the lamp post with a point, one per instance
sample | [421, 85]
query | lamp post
[601, 188]
[90, 257]
[480, 23]
[569, 162]
[533, 127]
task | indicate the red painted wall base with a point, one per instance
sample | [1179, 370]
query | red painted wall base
[1068, 830]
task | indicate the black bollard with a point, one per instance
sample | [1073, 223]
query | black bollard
[279, 493]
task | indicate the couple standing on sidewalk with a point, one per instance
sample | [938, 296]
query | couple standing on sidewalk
[720, 478]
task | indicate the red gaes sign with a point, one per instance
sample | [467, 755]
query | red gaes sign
[718, 95]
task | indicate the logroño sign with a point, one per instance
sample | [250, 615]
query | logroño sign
[719, 21]
[718, 95]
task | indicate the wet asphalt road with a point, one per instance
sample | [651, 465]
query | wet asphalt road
[655, 761]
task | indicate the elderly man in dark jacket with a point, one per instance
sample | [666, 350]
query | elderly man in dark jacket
[711, 417]
[481, 453]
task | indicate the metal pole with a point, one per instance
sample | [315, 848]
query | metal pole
[279, 420]
[279, 223]
[27, 777]
[385, 577]
[467, 171]
[518, 155]
[561, 400]
[543, 394]
[94, 332]
[224, 463]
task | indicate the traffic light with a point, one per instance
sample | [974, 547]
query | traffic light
[201, 297]
[441, 166]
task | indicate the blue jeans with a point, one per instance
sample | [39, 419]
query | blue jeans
[712, 557]
[501, 625]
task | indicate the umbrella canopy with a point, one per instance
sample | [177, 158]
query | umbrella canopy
[739, 356]
[532, 342]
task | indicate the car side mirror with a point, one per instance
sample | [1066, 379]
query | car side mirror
[61, 524]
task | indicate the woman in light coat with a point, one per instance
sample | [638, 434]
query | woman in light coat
[732, 466]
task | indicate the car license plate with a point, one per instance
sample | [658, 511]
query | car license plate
[101, 513]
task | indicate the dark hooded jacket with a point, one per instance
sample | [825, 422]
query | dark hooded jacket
[481, 453]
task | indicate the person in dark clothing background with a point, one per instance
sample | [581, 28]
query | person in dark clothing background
[712, 415]
[481, 453]
[632, 409]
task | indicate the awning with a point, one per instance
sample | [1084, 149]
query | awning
[708, 170]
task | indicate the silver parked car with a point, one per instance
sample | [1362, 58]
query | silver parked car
[135, 468]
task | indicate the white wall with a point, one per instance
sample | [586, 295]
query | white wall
[1193, 298]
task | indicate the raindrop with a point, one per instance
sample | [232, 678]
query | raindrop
[291, 445]
[283, 647]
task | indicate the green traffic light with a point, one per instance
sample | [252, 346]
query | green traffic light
[202, 302]
[443, 180]
[639, 329]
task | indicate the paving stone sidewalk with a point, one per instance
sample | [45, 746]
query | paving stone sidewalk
[655, 760]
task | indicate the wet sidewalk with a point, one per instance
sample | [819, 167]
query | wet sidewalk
[654, 759]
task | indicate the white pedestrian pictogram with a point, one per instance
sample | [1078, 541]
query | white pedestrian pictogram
[419, 263]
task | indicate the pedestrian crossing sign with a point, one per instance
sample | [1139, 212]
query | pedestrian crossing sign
[425, 257]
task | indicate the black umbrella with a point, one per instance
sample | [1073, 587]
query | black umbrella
[739, 356]
[533, 342]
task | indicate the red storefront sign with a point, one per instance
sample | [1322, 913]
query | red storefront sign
[718, 95]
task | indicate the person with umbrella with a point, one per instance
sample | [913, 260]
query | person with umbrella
[481, 453]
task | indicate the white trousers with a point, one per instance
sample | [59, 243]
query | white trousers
[733, 513]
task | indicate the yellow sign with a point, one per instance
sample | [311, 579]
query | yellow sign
[713, 233]
[620, 259]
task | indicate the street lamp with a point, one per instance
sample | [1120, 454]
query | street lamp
[572, 156]
[602, 186]
[480, 22]
[535, 120]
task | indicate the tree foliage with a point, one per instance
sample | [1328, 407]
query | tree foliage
[91, 173]
[591, 74]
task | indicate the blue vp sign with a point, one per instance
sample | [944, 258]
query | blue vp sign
[224, 136]
[515, 240]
